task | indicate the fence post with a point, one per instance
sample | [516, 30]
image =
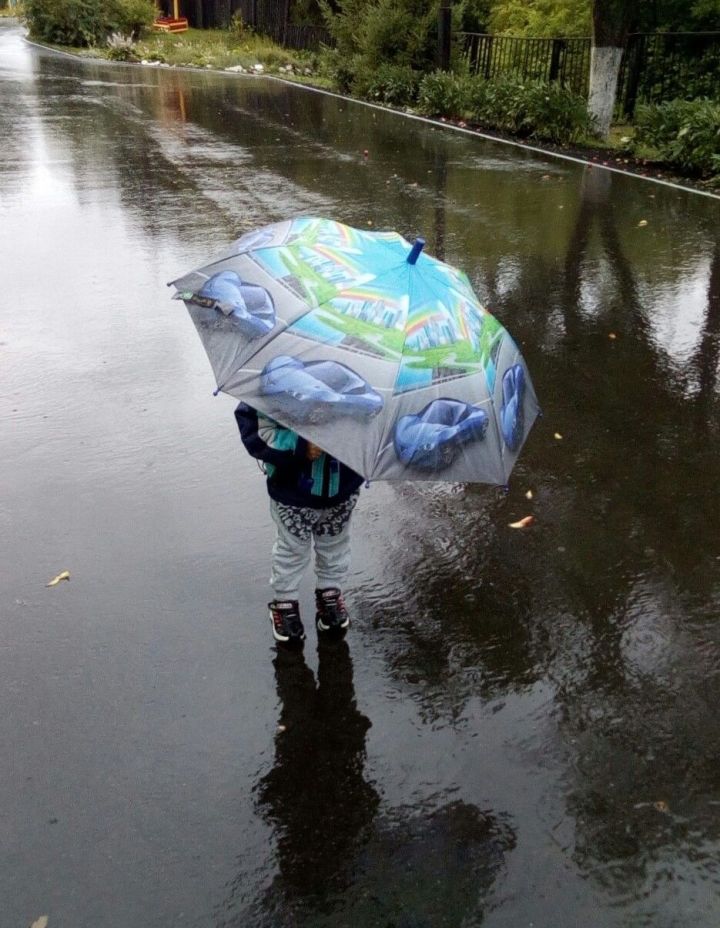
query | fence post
[444, 34]
[635, 52]
[558, 46]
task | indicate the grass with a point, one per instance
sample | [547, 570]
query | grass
[218, 49]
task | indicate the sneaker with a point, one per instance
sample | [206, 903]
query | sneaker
[331, 612]
[285, 621]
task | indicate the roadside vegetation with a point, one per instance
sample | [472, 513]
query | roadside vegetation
[385, 52]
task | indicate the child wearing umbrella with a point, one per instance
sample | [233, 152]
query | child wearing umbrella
[312, 497]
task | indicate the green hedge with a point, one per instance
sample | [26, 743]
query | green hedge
[526, 108]
[86, 22]
[683, 133]
[395, 85]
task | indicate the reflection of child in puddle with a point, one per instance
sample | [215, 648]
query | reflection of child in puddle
[316, 794]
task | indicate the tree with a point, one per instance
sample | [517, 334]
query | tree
[611, 20]
[533, 18]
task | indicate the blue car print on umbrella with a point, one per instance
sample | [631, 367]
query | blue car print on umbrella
[431, 439]
[511, 412]
[247, 306]
[315, 391]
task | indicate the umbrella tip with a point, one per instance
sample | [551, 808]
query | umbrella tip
[415, 251]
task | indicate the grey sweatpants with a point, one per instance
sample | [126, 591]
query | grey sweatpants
[298, 529]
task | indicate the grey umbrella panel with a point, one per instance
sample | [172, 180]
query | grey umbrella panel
[336, 349]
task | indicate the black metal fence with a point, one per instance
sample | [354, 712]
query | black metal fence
[655, 67]
[273, 20]
[665, 66]
[564, 60]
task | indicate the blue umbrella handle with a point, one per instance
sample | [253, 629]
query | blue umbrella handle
[416, 249]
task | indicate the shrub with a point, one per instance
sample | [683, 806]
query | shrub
[67, 22]
[121, 47]
[398, 32]
[685, 133]
[530, 109]
[395, 85]
[444, 94]
[239, 29]
[130, 17]
[86, 22]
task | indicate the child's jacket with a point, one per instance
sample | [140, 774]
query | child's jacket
[292, 478]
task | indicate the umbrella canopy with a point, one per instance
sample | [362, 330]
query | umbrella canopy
[364, 345]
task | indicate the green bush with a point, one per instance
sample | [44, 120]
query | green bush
[444, 94]
[530, 109]
[376, 32]
[121, 48]
[86, 22]
[684, 133]
[395, 85]
[130, 17]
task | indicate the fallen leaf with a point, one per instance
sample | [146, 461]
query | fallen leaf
[523, 523]
[40, 922]
[612, 336]
[643, 222]
[529, 494]
[661, 806]
[65, 575]
[558, 436]
[281, 729]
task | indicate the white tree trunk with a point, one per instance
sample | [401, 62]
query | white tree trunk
[604, 70]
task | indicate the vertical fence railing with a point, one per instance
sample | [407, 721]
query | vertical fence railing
[662, 66]
[564, 60]
[272, 19]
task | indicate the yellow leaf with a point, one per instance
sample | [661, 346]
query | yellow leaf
[529, 494]
[558, 436]
[523, 523]
[642, 223]
[612, 336]
[65, 575]
[41, 922]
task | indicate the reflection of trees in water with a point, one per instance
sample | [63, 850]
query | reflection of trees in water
[453, 615]
[612, 594]
[339, 857]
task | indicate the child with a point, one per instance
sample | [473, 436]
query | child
[312, 497]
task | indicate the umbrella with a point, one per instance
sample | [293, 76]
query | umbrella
[366, 346]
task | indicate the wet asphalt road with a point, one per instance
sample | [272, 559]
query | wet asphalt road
[522, 730]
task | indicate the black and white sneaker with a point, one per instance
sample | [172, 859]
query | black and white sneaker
[285, 621]
[331, 616]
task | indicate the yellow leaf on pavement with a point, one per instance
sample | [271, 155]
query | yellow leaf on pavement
[65, 575]
[523, 523]
[41, 922]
